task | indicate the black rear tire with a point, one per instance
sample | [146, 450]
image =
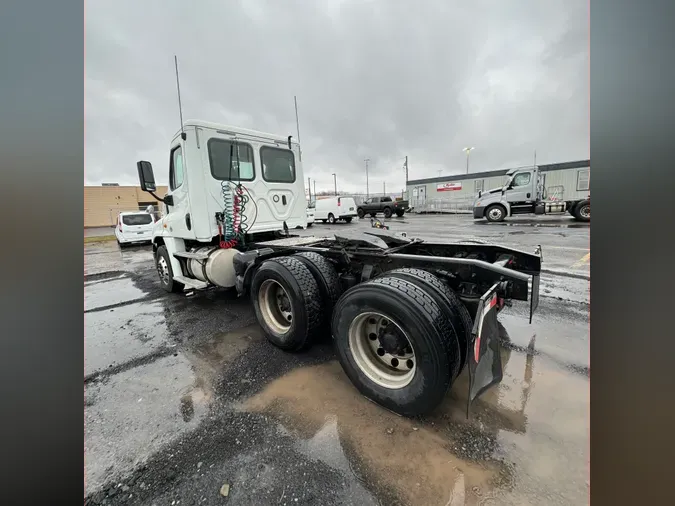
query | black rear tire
[331, 218]
[360, 212]
[327, 280]
[387, 212]
[459, 317]
[582, 211]
[400, 213]
[304, 297]
[348, 219]
[418, 314]
[162, 263]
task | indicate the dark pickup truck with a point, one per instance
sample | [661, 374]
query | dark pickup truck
[384, 205]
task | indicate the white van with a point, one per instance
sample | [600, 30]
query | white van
[134, 227]
[335, 208]
[310, 213]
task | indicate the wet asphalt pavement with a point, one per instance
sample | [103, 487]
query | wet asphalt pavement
[183, 395]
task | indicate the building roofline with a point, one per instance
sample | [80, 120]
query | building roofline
[578, 164]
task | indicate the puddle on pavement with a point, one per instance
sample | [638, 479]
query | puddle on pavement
[525, 443]
[110, 292]
[536, 224]
[209, 358]
[103, 257]
[127, 333]
[135, 413]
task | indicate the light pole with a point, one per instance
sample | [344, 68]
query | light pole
[335, 183]
[367, 160]
[468, 151]
[315, 189]
[309, 189]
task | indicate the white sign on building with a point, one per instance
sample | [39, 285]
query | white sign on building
[448, 187]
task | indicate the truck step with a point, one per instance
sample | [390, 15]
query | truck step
[188, 254]
[195, 284]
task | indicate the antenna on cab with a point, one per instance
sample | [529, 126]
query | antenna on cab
[180, 106]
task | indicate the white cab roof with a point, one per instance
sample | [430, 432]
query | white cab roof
[235, 130]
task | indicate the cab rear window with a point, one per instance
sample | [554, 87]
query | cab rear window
[278, 165]
[136, 219]
[231, 161]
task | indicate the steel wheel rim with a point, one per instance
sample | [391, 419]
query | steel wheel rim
[275, 306]
[495, 213]
[585, 211]
[385, 369]
[163, 270]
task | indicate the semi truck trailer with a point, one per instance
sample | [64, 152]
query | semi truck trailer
[406, 316]
[524, 193]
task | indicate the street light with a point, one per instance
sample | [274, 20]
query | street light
[367, 160]
[335, 182]
[468, 151]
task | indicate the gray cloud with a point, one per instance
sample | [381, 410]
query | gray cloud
[377, 79]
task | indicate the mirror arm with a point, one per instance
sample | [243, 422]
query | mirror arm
[154, 195]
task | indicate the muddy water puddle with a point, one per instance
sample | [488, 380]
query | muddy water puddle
[526, 441]
[210, 358]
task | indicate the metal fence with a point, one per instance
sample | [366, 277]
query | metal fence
[438, 205]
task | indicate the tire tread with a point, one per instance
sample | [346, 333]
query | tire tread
[462, 314]
[310, 292]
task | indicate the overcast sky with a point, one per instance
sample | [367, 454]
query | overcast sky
[377, 79]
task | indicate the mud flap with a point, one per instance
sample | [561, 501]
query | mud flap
[485, 361]
[534, 295]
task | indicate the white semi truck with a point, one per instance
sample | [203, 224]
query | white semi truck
[524, 193]
[406, 316]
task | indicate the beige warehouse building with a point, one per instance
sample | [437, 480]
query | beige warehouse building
[103, 203]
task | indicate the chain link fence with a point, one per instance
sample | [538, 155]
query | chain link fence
[439, 206]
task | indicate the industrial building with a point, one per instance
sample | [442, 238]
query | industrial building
[103, 203]
[455, 193]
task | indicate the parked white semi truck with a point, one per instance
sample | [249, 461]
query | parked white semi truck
[524, 193]
[406, 316]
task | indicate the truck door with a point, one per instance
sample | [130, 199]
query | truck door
[521, 188]
[178, 218]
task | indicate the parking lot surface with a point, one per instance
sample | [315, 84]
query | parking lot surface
[184, 397]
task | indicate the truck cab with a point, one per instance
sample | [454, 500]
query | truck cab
[524, 193]
[209, 160]
[226, 185]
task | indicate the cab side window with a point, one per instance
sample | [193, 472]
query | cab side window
[522, 179]
[176, 169]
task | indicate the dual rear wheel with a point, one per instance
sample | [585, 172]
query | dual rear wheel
[401, 338]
